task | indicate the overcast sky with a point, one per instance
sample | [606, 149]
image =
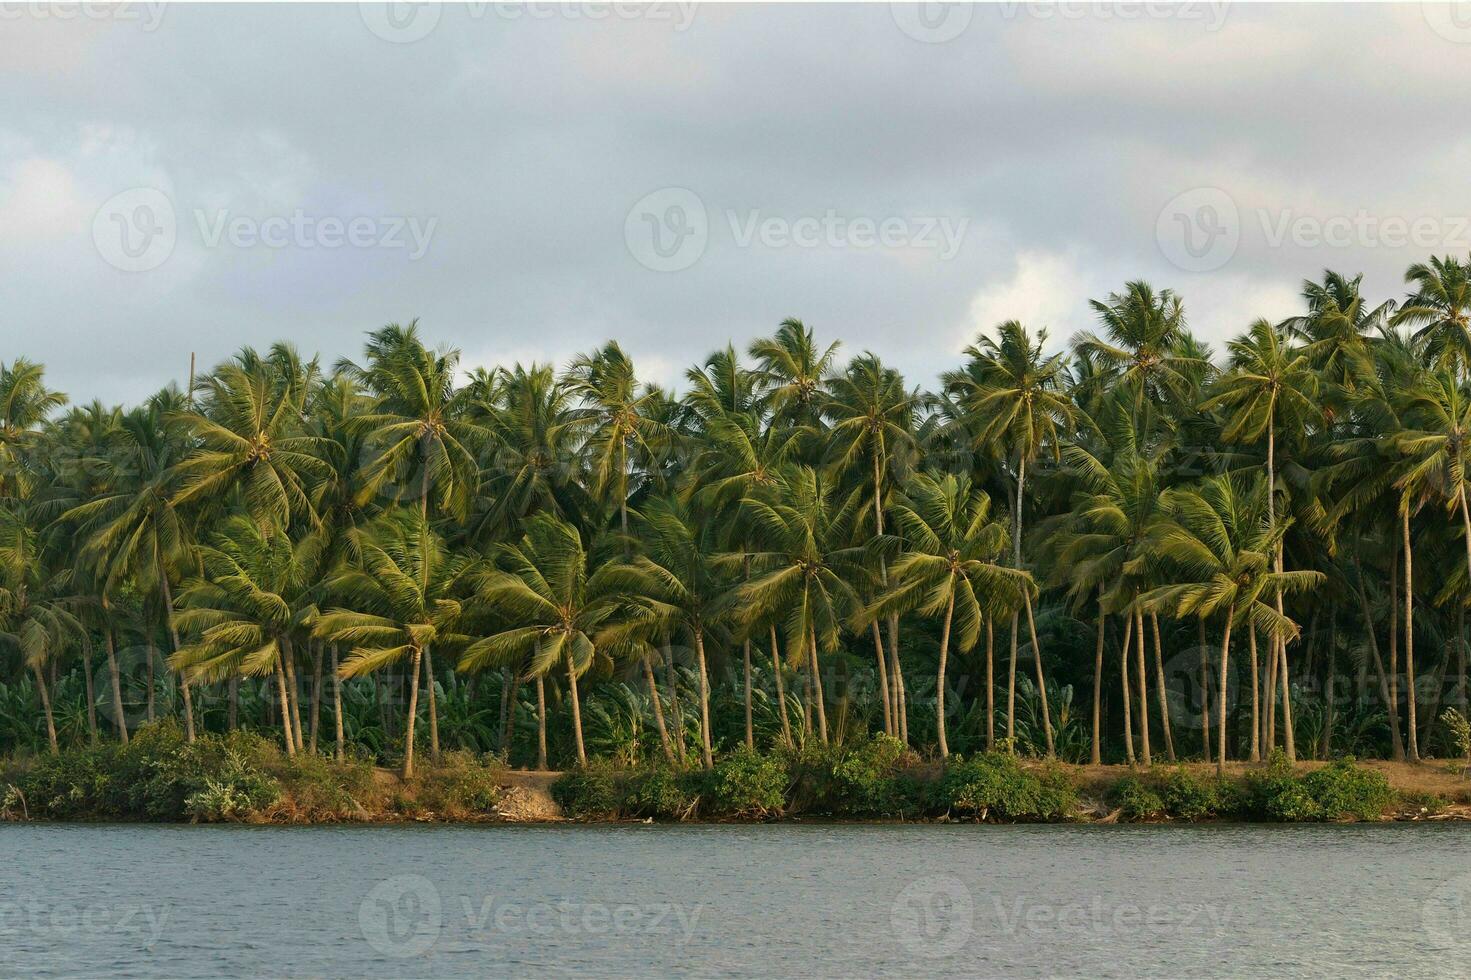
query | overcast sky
[530, 182]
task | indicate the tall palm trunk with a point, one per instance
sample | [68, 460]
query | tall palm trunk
[409, 722]
[1096, 755]
[1396, 743]
[817, 695]
[990, 685]
[337, 706]
[1256, 729]
[671, 681]
[940, 674]
[541, 723]
[1041, 681]
[285, 710]
[293, 692]
[1410, 635]
[433, 709]
[878, 643]
[46, 708]
[576, 713]
[1392, 706]
[91, 692]
[658, 709]
[1011, 685]
[1205, 707]
[1288, 739]
[1124, 679]
[883, 677]
[705, 747]
[168, 608]
[513, 698]
[896, 680]
[1021, 489]
[1140, 678]
[746, 667]
[316, 698]
[1164, 699]
[1277, 563]
[120, 714]
[1221, 694]
[781, 694]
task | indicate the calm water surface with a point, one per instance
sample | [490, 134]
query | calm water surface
[829, 901]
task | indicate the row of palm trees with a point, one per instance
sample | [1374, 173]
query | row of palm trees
[809, 543]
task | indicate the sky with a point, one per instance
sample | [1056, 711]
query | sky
[530, 181]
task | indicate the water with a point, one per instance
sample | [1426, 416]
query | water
[784, 900]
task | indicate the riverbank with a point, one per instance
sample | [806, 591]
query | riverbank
[243, 778]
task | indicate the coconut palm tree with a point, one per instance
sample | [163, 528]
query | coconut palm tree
[1141, 343]
[791, 370]
[1013, 394]
[1218, 548]
[1440, 307]
[950, 568]
[25, 403]
[397, 600]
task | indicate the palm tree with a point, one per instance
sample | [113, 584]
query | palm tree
[1014, 395]
[25, 403]
[1219, 547]
[546, 583]
[398, 600]
[1141, 346]
[1335, 330]
[949, 567]
[791, 371]
[1441, 307]
[804, 570]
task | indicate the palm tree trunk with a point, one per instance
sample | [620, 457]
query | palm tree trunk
[409, 721]
[878, 525]
[1164, 699]
[433, 701]
[1392, 707]
[316, 697]
[671, 681]
[896, 680]
[781, 694]
[285, 710]
[1410, 635]
[512, 699]
[817, 689]
[168, 606]
[1041, 683]
[337, 706]
[1273, 668]
[1124, 678]
[705, 748]
[1141, 676]
[1288, 739]
[990, 685]
[541, 723]
[1205, 707]
[1095, 757]
[940, 674]
[500, 725]
[1221, 694]
[883, 676]
[91, 691]
[120, 714]
[1016, 616]
[746, 664]
[658, 709]
[46, 708]
[293, 693]
[1396, 743]
[576, 713]
[1256, 729]
[1325, 746]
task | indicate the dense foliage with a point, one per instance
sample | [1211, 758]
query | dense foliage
[1126, 548]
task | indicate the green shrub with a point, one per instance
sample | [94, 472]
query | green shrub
[1137, 799]
[1275, 793]
[1342, 789]
[862, 780]
[1188, 796]
[461, 785]
[661, 792]
[994, 786]
[746, 784]
[589, 793]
